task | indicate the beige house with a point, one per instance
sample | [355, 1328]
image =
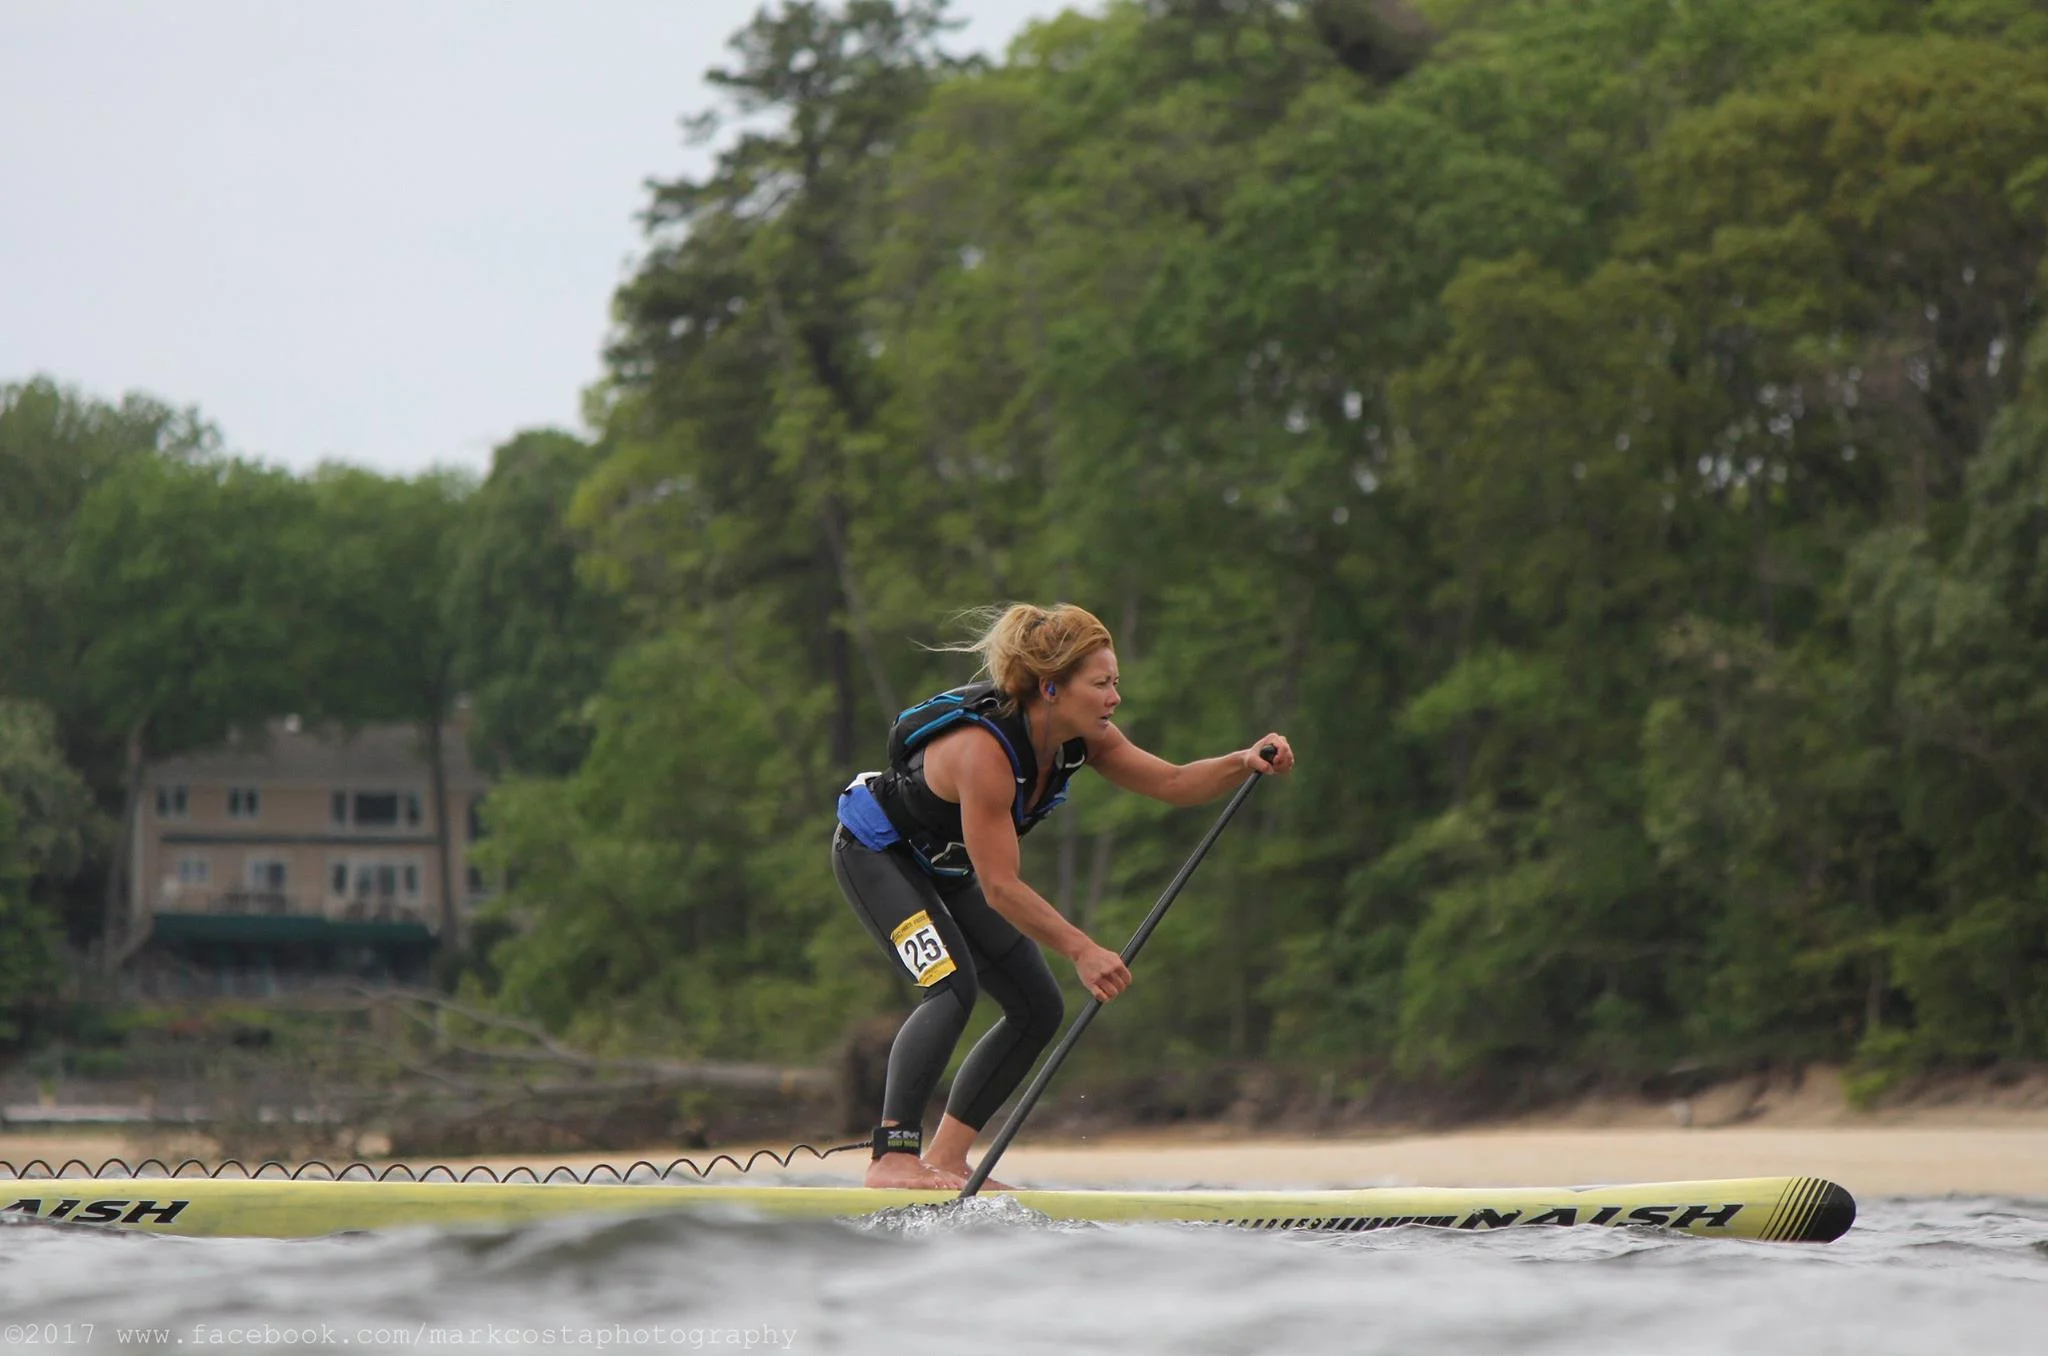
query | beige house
[302, 853]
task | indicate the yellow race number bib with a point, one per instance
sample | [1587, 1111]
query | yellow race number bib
[922, 952]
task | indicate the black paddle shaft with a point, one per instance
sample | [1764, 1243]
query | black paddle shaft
[1130, 953]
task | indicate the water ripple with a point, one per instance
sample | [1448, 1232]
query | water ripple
[1914, 1276]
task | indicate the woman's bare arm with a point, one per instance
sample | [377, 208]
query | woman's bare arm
[1130, 767]
[975, 767]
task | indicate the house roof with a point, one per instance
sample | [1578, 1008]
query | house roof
[287, 753]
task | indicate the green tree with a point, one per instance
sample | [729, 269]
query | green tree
[1957, 648]
[1595, 430]
[384, 645]
[742, 383]
[743, 388]
[56, 446]
[674, 889]
[49, 827]
[533, 637]
[185, 582]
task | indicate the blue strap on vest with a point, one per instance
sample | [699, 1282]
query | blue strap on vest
[919, 725]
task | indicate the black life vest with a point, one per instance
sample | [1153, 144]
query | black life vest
[931, 825]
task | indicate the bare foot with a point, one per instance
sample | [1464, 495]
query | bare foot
[963, 1172]
[954, 1178]
[905, 1172]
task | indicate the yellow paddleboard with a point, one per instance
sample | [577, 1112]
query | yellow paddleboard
[1790, 1209]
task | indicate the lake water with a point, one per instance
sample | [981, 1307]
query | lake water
[1913, 1276]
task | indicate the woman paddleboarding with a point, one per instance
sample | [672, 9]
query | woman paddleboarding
[927, 853]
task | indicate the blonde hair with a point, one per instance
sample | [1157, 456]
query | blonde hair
[1024, 645]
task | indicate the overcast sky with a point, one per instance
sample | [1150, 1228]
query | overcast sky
[379, 231]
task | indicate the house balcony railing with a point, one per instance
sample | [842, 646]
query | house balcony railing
[282, 904]
[377, 909]
[241, 903]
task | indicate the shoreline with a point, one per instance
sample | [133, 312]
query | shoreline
[1871, 1162]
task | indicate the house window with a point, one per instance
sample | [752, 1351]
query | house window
[376, 810]
[337, 878]
[170, 802]
[243, 802]
[476, 818]
[266, 874]
[378, 880]
[412, 881]
[193, 871]
[476, 880]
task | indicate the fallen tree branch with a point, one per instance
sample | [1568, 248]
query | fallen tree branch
[730, 1075]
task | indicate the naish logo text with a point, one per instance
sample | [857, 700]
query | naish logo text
[1669, 1216]
[99, 1212]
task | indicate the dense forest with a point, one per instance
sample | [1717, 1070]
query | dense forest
[1610, 438]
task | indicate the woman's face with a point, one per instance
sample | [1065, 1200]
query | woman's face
[1090, 693]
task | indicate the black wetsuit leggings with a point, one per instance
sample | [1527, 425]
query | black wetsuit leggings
[888, 889]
